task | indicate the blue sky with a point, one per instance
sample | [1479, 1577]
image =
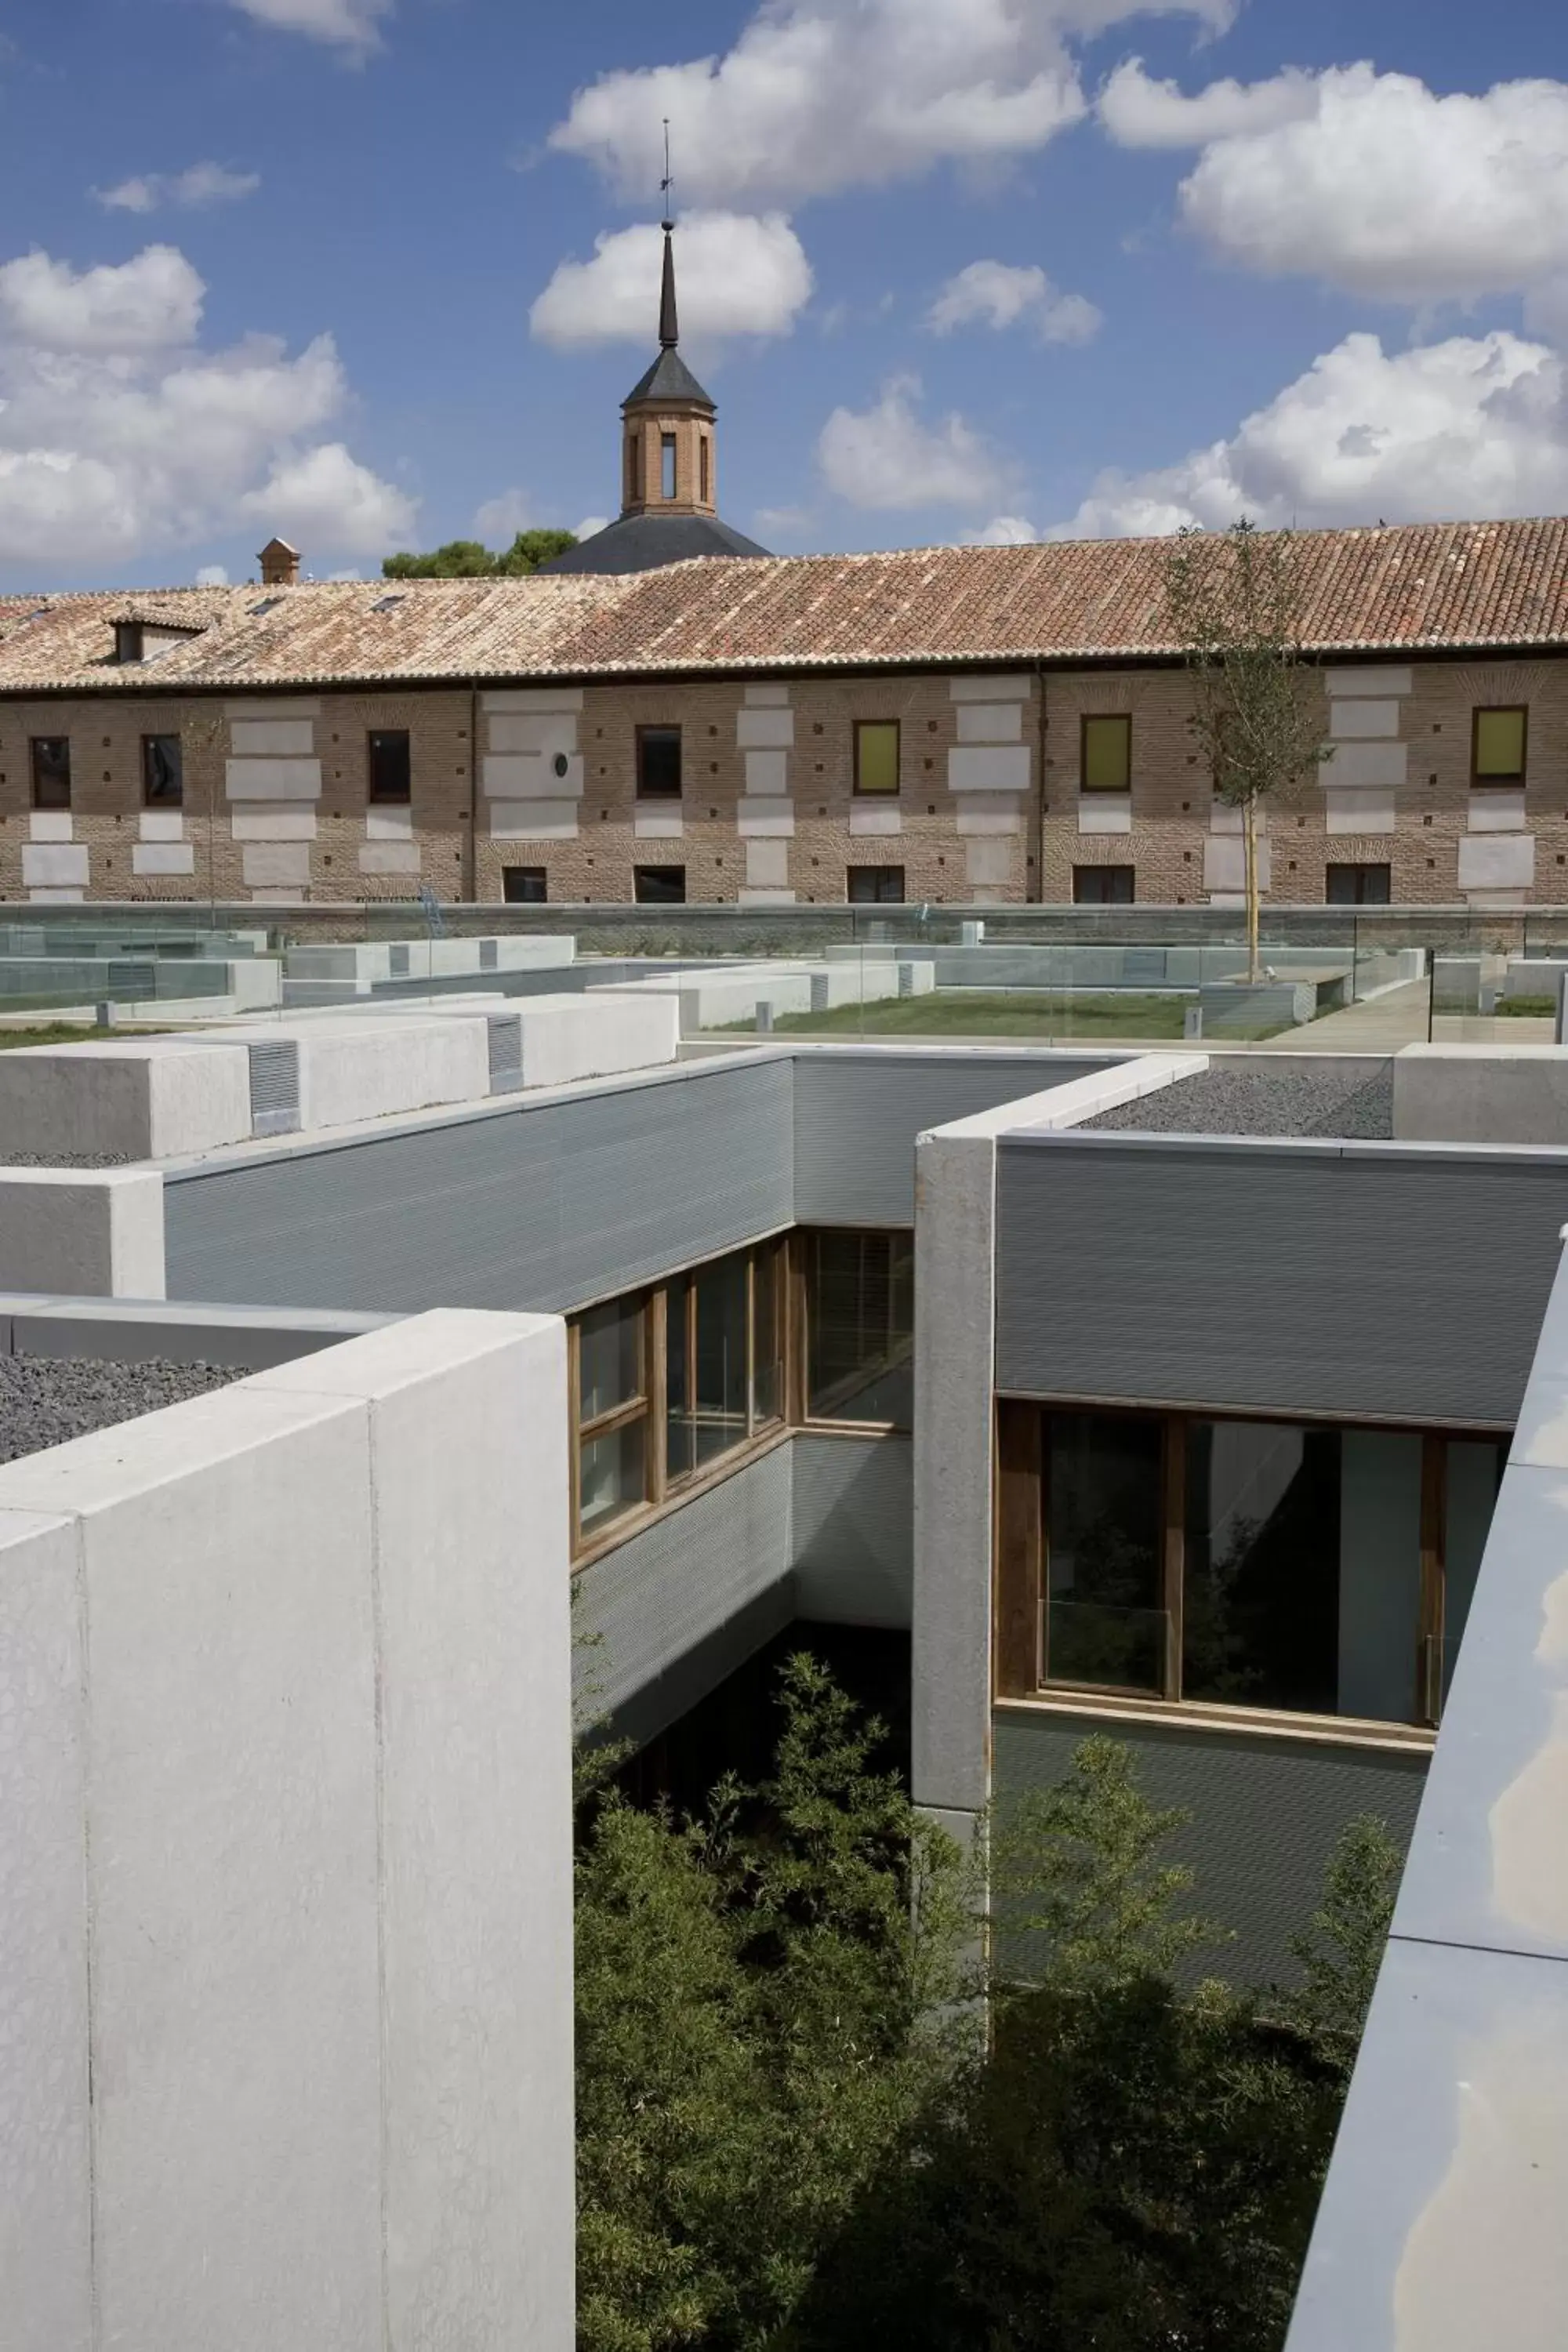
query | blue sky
[377, 272]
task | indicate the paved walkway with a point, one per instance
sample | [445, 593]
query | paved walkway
[1380, 1026]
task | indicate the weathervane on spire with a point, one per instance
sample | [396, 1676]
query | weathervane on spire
[669, 328]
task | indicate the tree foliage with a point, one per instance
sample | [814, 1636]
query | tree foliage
[793, 2139]
[1233, 604]
[467, 559]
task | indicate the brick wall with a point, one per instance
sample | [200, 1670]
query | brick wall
[768, 808]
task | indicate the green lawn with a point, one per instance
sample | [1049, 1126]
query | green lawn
[979, 1013]
[67, 1033]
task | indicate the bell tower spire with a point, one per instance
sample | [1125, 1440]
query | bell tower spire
[669, 325]
[669, 454]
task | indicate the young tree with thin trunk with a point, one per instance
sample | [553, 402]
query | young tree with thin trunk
[1233, 604]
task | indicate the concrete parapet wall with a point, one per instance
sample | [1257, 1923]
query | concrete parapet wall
[1481, 1093]
[286, 1852]
[178, 1332]
[145, 1098]
[96, 1232]
[596, 1036]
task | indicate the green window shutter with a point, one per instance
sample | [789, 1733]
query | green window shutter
[1500, 743]
[1107, 755]
[877, 756]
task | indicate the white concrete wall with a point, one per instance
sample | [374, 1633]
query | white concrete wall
[955, 1283]
[146, 1097]
[285, 1861]
[1481, 1093]
[593, 1035]
[93, 1232]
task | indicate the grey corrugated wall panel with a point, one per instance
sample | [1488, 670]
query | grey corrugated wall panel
[1383, 1280]
[856, 1116]
[669, 1597]
[543, 1206]
[853, 1529]
[1265, 1815]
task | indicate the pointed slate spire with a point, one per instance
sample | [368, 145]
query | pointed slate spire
[668, 327]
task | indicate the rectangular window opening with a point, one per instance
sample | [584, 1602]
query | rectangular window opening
[660, 886]
[524, 886]
[51, 765]
[874, 886]
[1358, 885]
[667, 464]
[1498, 745]
[658, 763]
[1306, 1569]
[162, 772]
[390, 770]
[876, 755]
[675, 1381]
[859, 1319]
[1102, 886]
[706, 449]
[1106, 754]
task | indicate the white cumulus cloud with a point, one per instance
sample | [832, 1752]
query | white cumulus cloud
[498, 521]
[1003, 294]
[737, 274]
[201, 183]
[148, 304]
[326, 496]
[120, 433]
[821, 95]
[212, 575]
[1475, 425]
[1384, 189]
[887, 457]
[1002, 531]
[353, 25]
[1141, 112]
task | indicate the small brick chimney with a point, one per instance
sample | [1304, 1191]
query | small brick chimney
[279, 564]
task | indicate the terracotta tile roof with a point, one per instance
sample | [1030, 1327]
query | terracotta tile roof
[1439, 586]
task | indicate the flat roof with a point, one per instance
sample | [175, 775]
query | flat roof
[1320, 1097]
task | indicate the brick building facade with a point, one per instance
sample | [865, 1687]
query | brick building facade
[768, 729]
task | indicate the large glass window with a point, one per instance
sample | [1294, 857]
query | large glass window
[1358, 885]
[612, 1414]
[859, 1317]
[704, 1353]
[1105, 1621]
[1306, 1568]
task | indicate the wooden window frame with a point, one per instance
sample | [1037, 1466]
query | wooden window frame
[651, 1406]
[818, 1422]
[1020, 1516]
[35, 743]
[1494, 784]
[663, 727]
[880, 792]
[1087, 719]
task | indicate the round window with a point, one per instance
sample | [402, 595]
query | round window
[561, 763]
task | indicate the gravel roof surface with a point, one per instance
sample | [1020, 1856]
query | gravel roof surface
[64, 1159]
[1220, 1101]
[45, 1399]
